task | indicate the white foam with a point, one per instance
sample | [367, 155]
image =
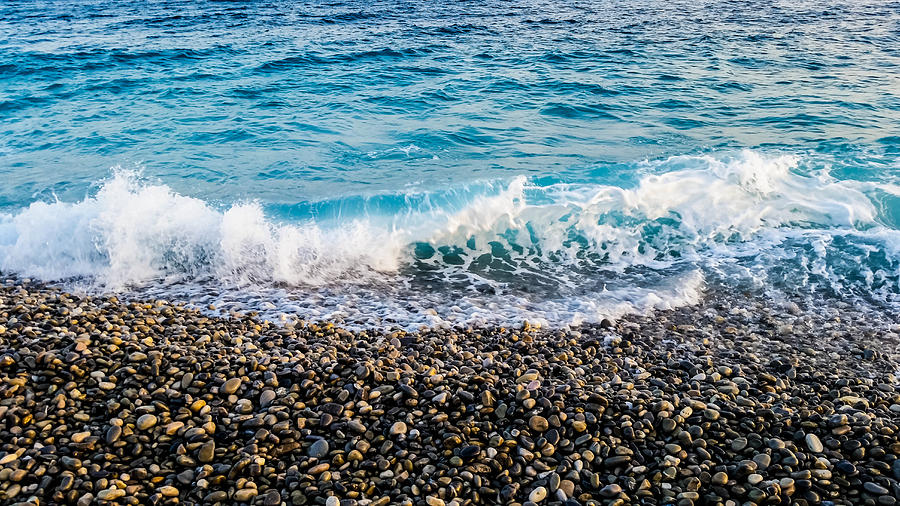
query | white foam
[603, 250]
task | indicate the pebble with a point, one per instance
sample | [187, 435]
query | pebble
[245, 494]
[537, 495]
[874, 488]
[110, 494]
[168, 491]
[113, 434]
[145, 422]
[79, 437]
[538, 423]
[266, 398]
[319, 449]
[207, 452]
[611, 490]
[813, 443]
[656, 409]
[720, 478]
[398, 428]
[231, 385]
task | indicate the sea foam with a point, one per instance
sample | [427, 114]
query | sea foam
[560, 252]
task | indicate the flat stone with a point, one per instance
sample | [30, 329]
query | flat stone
[398, 428]
[813, 443]
[720, 479]
[537, 495]
[146, 421]
[113, 434]
[319, 449]
[874, 488]
[245, 494]
[266, 397]
[110, 494]
[231, 386]
[207, 452]
[168, 491]
[79, 437]
[538, 423]
[611, 490]
[434, 501]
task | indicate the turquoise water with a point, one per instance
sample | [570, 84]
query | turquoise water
[443, 163]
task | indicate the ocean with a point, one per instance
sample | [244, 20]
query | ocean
[398, 164]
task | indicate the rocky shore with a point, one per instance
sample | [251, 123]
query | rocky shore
[735, 401]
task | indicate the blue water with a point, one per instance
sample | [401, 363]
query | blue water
[451, 162]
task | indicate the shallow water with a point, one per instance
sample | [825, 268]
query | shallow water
[429, 162]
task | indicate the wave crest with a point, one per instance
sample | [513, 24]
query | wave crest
[589, 247]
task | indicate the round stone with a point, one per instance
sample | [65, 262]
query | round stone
[168, 491]
[611, 490]
[398, 428]
[537, 495]
[266, 398]
[146, 421]
[272, 498]
[538, 423]
[79, 437]
[434, 501]
[245, 494]
[763, 460]
[813, 443]
[319, 449]
[231, 386]
[720, 479]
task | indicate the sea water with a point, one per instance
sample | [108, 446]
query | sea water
[394, 164]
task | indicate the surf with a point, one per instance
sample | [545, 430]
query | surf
[560, 251]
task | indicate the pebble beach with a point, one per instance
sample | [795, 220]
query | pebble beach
[733, 401]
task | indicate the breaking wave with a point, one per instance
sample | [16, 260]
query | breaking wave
[498, 251]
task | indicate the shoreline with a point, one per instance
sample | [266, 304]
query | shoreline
[729, 401]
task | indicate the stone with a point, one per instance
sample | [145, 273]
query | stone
[874, 488]
[168, 491]
[272, 498]
[113, 434]
[319, 449]
[231, 386]
[537, 495]
[79, 437]
[720, 479]
[398, 428]
[110, 494]
[763, 460]
[145, 422]
[611, 490]
[245, 494]
[434, 501]
[813, 443]
[266, 398]
[538, 423]
[207, 452]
